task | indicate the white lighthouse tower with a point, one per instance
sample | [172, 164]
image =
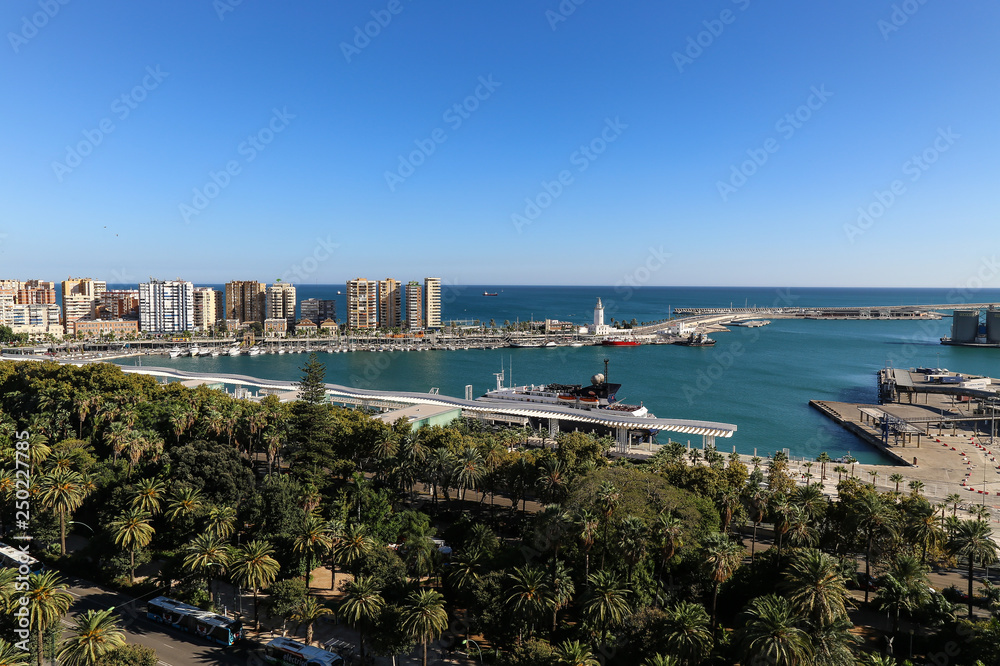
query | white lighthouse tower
[599, 327]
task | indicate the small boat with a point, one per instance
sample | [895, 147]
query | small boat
[195, 351]
[254, 351]
[697, 340]
[281, 350]
[576, 344]
[216, 351]
[175, 352]
[235, 351]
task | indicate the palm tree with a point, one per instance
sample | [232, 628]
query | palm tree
[973, 540]
[921, 526]
[149, 496]
[823, 459]
[667, 536]
[771, 636]
[64, 491]
[728, 502]
[587, 524]
[353, 547]
[254, 566]
[953, 499]
[897, 479]
[904, 587]
[307, 613]
[184, 501]
[94, 634]
[632, 542]
[873, 518]
[916, 487]
[661, 660]
[721, 559]
[832, 643]
[207, 555]
[530, 594]
[48, 601]
[608, 498]
[756, 500]
[815, 587]
[11, 655]
[840, 470]
[469, 469]
[133, 532]
[362, 605]
[607, 601]
[221, 521]
[424, 617]
[575, 653]
[687, 632]
[314, 537]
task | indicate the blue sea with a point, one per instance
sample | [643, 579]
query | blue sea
[760, 379]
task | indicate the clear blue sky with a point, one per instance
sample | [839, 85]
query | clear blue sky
[679, 128]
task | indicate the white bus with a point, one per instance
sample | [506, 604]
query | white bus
[287, 652]
[15, 557]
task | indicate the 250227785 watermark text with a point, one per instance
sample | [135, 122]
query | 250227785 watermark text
[22, 518]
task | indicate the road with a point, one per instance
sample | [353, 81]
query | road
[174, 648]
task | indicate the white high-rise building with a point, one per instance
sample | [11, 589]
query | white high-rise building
[205, 314]
[280, 302]
[414, 306]
[362, 303]
[432, 302]
[166, 306]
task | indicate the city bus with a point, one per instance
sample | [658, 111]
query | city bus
[194, 620]
[16, 558]
[287, 652]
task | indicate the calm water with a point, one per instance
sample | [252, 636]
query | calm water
[760, 379]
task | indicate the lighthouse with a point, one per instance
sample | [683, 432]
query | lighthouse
[599, 327]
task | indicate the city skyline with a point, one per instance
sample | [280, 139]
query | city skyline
[728, 144]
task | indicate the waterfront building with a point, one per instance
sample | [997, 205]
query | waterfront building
[220, 307]
[80, 299]
[414, 306]
[36, 292]
[306, 327]
[92, 328]
[280, 302]
[166, 306]
[432, 302]
[389, 301]
[30, 318]
[275, 327]
[318, 309]
[245, 301]
[119, 304]
[205, 314]
[328, 326]
[362, 303]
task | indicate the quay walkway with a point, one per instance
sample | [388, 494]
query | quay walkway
[625, 426]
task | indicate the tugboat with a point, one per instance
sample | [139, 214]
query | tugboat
[697, 340]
